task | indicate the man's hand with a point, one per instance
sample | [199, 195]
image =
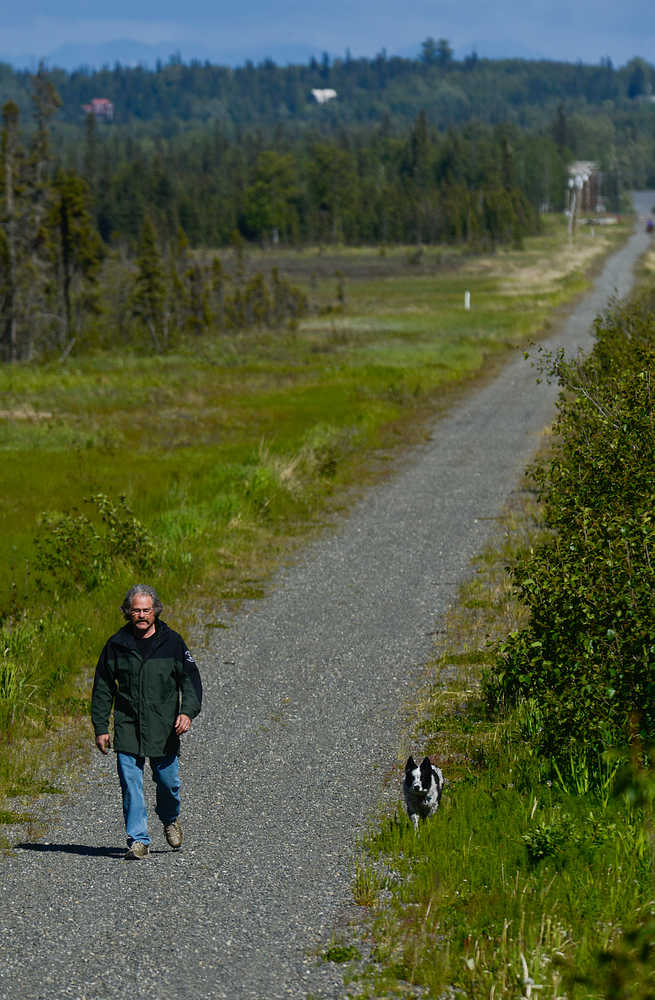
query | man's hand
[182, 724]
[103, 743]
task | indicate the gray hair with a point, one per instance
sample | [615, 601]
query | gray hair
[141, 588]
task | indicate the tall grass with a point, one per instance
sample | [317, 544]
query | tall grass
[509, 876]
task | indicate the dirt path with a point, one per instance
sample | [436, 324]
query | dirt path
[304, 695]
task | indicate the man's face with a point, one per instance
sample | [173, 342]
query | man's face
[142, 615]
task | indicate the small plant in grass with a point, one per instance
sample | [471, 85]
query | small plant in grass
[547, 838]
[271, 482]
[74, 551]
[367, 884]
[10, 816]
[341, 953]
[581, 775]
[324, 449]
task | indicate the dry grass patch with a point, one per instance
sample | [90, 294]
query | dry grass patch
[545, 274]
[25, 413]
[648, 261]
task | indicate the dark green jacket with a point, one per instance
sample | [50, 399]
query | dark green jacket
[146, 693]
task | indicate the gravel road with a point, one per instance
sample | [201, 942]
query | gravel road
[303, 716]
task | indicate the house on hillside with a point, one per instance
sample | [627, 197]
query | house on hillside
[323, 96]
[101, 108]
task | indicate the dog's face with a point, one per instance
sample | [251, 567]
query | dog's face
[418, 779]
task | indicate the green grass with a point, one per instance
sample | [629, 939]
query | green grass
[509, 869]
[527, 881]
[230, 449]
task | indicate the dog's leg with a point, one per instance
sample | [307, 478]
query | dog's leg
[414, 818]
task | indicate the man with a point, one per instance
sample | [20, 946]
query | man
[150, 678]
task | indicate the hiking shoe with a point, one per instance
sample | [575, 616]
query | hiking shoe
[137, 851]
[173, 834]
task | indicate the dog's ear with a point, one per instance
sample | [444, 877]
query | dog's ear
[426, 771]
[411, 764]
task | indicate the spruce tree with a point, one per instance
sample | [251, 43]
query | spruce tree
[9, 234]
[149, 295]
[76, 247]
[45, 103]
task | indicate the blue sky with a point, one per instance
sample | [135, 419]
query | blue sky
[286, 30]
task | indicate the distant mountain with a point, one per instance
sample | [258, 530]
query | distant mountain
[123, 51]
[128, 52]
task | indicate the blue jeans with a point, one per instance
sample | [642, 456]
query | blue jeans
[165, 774]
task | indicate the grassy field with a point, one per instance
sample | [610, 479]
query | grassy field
[231, 449]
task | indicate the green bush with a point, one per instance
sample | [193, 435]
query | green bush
[587, 655]
[76, 551]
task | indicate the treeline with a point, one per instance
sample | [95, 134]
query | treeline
[584, 666]
[59, 279]
[479, 185]
[596, 112]
[50, 250]
[451, 91]
[139, 212]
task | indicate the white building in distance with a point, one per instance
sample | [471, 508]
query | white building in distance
[323, 96]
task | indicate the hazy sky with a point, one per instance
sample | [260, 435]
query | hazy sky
[557, 29]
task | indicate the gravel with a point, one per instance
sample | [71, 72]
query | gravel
[306, 694]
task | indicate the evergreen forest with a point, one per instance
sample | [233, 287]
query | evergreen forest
[198, 158]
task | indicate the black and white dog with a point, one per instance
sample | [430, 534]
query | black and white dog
[422, 788]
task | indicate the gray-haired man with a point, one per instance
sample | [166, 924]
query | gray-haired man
[147, 674]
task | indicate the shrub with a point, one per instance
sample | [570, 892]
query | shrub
[76, 551]
[546, 839]
[587, 656]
